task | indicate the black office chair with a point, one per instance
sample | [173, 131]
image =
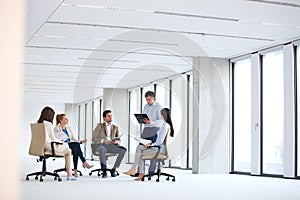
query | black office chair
[161, 157]
[37, 146]
[96, 153]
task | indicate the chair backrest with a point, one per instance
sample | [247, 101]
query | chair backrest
[162, 155]
[38, 139]
[166, 143]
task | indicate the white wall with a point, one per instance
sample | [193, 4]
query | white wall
[31, 113]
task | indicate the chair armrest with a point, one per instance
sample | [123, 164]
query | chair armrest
[158, 151]
[52, 146]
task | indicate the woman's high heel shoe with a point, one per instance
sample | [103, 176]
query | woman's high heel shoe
[130, 172]
[139, 177]
[86, 165]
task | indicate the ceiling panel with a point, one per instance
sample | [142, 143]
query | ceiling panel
[74, 48]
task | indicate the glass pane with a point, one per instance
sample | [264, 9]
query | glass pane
[190, 123]
[242, 116]
[177, 147]
[298, 109]
[272, 108]
[135, 102]
[162, 92]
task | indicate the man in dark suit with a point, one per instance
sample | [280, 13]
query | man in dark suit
[104, 135]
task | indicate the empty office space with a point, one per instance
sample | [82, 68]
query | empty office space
[225, 78]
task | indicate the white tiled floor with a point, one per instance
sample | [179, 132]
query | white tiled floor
[187, 186]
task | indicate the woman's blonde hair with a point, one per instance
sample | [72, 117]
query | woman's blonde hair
[59, 117]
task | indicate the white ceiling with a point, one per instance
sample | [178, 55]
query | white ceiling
[74, 48]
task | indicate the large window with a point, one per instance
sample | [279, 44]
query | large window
[134, 126]
[162, 93]
[272, 112]
[298, 110]
[242, 116]
[178, 144]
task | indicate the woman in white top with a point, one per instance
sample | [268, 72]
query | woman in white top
[142, 150]
[46, 117]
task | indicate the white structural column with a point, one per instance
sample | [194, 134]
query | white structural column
[289, 111]
[196, 111]
[211, 115]
[255, 116]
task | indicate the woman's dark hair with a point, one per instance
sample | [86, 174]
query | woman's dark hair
[105, 113]
[47, 114]
[165, 112]
[59, 117]
[150, 94]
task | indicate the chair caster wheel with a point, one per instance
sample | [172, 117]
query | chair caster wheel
[80, 174]
[27, 179]
[143, 179]
[41, 179]
[157, 180]
[90, 173]
[173, 179]
[99, 174]
[36, 178]
[55, 178]
[167, 178]
[59, 179]
[149, 178]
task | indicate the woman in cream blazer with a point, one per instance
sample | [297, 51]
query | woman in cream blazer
[74, 144]
[46, 117]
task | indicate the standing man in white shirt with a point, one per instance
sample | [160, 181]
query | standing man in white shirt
[104, 135]
[152, 109]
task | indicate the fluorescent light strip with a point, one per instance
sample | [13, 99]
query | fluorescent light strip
[197, 16]
[151, 11]
[162, 30]
[142, 42]
[174, 64]
[90, 66]
[278, 3]
[111, 51]
[80, 72]
[69, 86]
[68, 37]
[48, 76]
[72, 82]
[104, 7]
[127, 61]
[221, 49]
[51, 36]
[270, 24]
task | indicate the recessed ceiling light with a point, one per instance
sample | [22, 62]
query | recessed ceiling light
[164, 30]
[197, 16]
[143, 42]
[150, 11]
[270, 24]
[278, 3]
[104, 7]
[68, 37]
[130, 61]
